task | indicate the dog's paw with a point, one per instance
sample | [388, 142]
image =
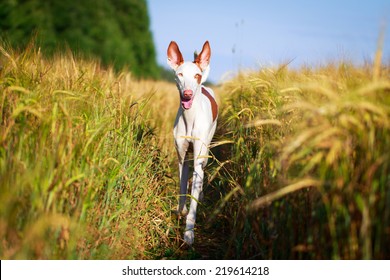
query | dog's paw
[189, 237]
[179, 214]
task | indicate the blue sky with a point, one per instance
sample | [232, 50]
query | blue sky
[248, 34]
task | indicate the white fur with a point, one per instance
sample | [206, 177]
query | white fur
[192, 126]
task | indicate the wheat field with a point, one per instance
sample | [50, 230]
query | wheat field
[299, 169]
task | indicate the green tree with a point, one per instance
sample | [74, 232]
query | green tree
[116, 31]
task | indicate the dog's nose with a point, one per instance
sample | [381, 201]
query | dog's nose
[187, 93]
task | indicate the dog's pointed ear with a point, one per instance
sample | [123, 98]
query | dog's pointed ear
[205, 74]
[175, 58]
[203, 59]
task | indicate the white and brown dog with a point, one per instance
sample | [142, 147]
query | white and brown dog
[195, 124]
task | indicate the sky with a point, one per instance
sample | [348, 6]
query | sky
[250, 34]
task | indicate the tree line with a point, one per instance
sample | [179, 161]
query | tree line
[115, 31]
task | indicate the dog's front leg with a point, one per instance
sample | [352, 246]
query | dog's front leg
[200, 160]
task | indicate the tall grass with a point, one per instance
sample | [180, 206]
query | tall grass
[81, 174]
[310, 161]
[299, 168]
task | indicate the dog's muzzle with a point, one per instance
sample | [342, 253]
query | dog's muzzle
[187, 98]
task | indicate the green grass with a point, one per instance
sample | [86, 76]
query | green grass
[299, 168]
[81, 175]
[308, 169]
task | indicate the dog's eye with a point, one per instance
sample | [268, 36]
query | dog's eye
[198, 77]
[180, 74]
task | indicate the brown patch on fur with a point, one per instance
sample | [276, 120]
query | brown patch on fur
[214, 105]
[203, 59]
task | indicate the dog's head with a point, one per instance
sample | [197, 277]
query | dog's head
[189, 75]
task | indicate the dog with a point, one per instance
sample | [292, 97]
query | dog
[195, 125]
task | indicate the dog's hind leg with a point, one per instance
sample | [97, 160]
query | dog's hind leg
[183, 175]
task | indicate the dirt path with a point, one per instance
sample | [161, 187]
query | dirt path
[212, 234]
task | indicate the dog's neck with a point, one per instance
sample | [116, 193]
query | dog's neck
[189, 115]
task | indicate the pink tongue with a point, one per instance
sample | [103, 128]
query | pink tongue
[186, 104]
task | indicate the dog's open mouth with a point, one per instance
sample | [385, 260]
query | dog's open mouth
[186, 103]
